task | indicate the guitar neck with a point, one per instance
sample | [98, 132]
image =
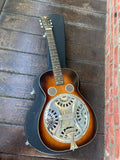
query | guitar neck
[54, 58]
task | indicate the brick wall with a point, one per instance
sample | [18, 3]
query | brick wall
[112, 77]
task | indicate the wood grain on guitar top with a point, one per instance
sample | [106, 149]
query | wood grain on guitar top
[47, 81]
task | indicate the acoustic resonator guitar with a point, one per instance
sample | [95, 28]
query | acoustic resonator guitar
[66, 121]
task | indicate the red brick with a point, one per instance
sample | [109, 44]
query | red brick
[119, 96]
[112, 111]
[115, 82]
[116, 119]
[118, 5]
[108, 25]
[108, 5]
[117, 144]
[119, 75]
[119, 25]
[115, 12]
[119, 51]
[112, 3]
[119, 92]
[119, 17]
[116, 35]
[115, 2]
[107, 113]
[111, 129]
[112, 15]
[116, 109]
[111, 51]
[112, 153]
[111, 100]
[116, 57]
[108, 45]
[111, 74]
[116, 112]
[112, 31]
[107, 87]
[107, 141]
[119, 58]
[107, 66]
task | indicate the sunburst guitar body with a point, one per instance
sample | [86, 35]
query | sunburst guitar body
[66, 121]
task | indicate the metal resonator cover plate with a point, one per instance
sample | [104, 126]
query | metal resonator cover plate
[66, 114]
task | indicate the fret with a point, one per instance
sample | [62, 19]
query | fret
[56, 65]
[58, 73]
[54, 59]
[58, 76]
[59, 79]
[57, 68]
[53, 54]
[52, 48]
[59, 82]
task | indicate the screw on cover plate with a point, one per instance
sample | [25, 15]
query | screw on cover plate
[27, 143]
[33, 92]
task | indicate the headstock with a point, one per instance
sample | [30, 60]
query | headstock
[46, 23]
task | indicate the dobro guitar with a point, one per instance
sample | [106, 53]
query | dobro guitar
[66, 120]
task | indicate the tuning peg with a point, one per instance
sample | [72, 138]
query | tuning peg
[27, 143]
[44, 35]
[40, 20]
[33, 92]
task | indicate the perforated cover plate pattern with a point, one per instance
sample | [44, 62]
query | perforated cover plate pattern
[66, 114]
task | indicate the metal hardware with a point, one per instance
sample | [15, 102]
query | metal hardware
[27, 143]
[69, 88]
[44, 35]
[66, 118]
[52, 91]
[32, 92]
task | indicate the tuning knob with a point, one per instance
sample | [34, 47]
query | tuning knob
[41, 24]
[44, 35]
[32, 92]
[27, 143]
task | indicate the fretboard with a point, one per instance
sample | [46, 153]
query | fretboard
[58, 76]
